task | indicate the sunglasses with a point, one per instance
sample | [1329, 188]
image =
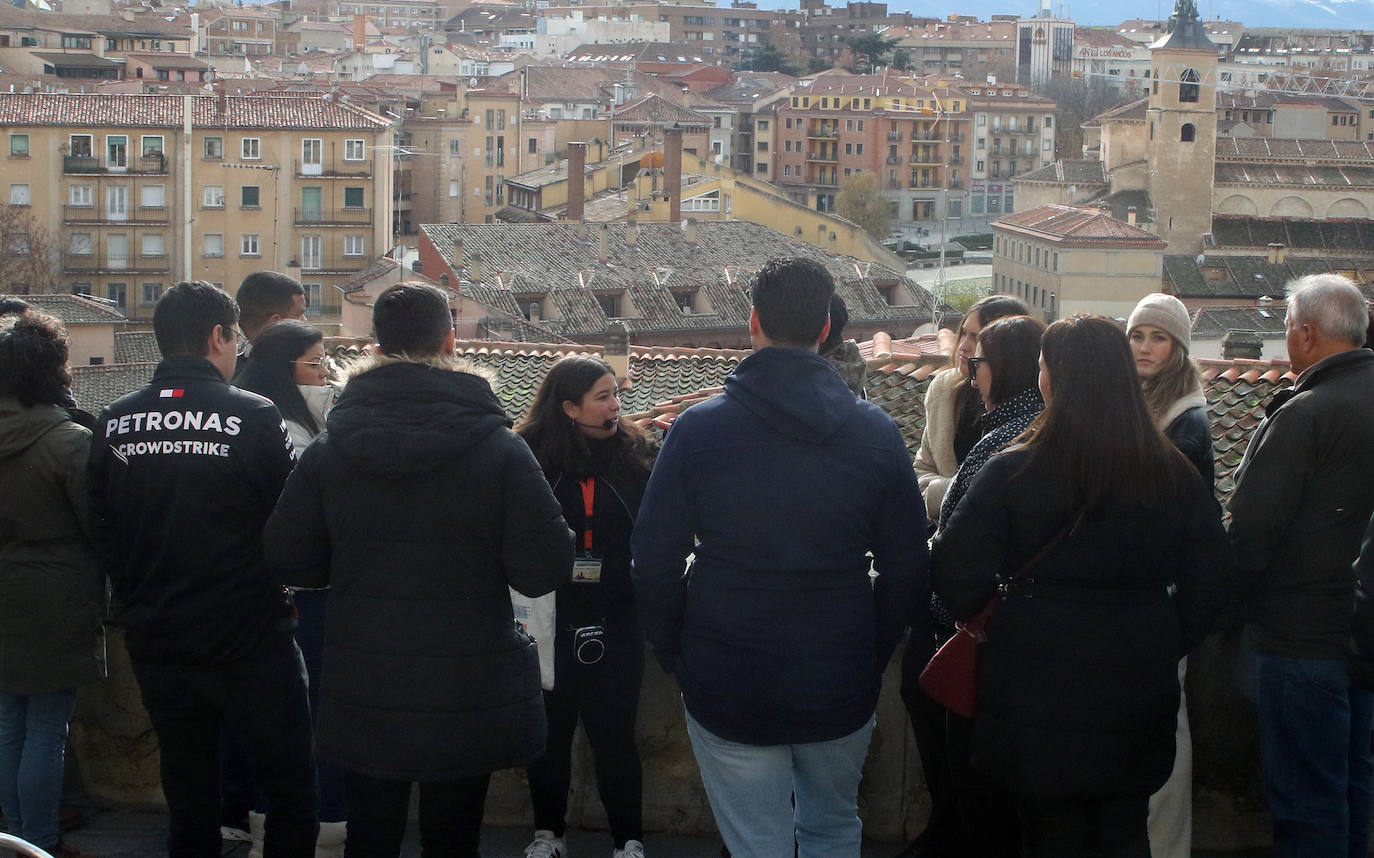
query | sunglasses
[973, 364]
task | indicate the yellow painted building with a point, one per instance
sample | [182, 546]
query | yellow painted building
[146, 190]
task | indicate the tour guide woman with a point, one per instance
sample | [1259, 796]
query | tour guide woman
[597, 465]
[1077, 680]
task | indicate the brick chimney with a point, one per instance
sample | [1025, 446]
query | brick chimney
[672, 171]
[359, 32]
[631, 232]
[1277, 253]
[690, 231]
[577, 182]
[1241, 345]
[475, 268]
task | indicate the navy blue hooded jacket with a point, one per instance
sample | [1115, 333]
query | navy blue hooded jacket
[780, 486]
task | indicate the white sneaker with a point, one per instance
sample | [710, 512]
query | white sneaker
[633, 849]
[545, 845]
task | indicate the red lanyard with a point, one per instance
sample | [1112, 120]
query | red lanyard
[589, 509]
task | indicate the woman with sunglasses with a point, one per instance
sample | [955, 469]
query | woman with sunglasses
[288, 366]
[952, 411]
[1109, 556]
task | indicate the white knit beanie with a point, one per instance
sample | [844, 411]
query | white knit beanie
[1164, 312]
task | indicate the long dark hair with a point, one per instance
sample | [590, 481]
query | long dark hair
[557, 443]
[1095, 432]
[271, 369]
[1011, 346]
[33, 359]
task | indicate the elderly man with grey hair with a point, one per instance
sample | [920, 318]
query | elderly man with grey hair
[1303, 496]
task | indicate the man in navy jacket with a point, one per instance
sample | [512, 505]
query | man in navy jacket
[778, 633]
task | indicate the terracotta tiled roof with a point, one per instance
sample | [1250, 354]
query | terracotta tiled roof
[1075, 172]
[1131, 112]
[657, 110]
[1232, 148]
[136, 347]
[748, 87]
[1250, 276]
[1336, 236]
[1214, 322]
[73, 309]
[1265, 173]
[1237, 392]
[165, 111]
[94, 387]
[1078, 226]
[549, 259]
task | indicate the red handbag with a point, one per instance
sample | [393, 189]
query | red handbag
[951, 676]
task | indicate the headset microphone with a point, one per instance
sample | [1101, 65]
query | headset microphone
[605, 424]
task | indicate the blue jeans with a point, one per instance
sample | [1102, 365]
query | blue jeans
[263, 699]
[751, 788]
[33, 746]
[1315, 728]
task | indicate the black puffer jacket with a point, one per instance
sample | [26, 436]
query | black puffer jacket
[419, 507]
[1078, 682]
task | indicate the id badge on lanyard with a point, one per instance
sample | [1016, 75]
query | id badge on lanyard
[586, 566]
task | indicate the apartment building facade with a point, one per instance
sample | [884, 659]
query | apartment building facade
[146, 190]
[913, 134]
[1012, 133]
[729, 33]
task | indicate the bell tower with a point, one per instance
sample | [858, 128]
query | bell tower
[1182, 119]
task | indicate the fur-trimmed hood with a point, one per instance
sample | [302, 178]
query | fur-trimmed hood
[1194, 399]
[371, 360]
[399, 416]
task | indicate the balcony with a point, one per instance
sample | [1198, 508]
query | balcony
[333, 217]
[92, 265]
[822, 156]
[824, 133]
[894, 159]
[955, 137]
[135, 216]
[144, 165]
[894, 136]
[956, 185]
[336, 265]
[929, 136]
[828, 181]
[927, 160]
[334, 169]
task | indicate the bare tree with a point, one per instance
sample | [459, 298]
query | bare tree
[1079, 100]
[860, 201]
[31, 260]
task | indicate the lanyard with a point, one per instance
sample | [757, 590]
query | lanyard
[589, 510]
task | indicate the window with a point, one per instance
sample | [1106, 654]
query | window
[355, 150]
[83, 289]
[213, 148]
[1188, 133]
[118, 293]
[353, 245]
[313, 293]
[1188, 87]
[19, 195]
[212, 197]
[19, 145]
[787, 169]
[149, 293]
[82, 195]
[453, 187]
[214, 244]
[859, 149]
[248, 197]
[152, 145]
[762, 146]
[353, 198]
[81, 244]
[151, 245]
[250, 244]
[153, 197]
[533, 145]
[455, 147]
[251, 149]
[610, 305]
[982, 120]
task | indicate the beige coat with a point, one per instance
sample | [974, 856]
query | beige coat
[935, 462]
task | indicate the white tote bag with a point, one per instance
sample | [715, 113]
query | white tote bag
[535, 616]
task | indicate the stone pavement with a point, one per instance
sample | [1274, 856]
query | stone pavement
[115, 834]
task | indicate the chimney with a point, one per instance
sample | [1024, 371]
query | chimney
[1130, 215]
[1245, 345]
[475, 268]
[603, 242]
[631, 232]
[1277, 253]
[882, 346]
[221, 99]
[455, 260]
[534, 312]
[359, 32]
[690, 231]
[581, 230]
[616, 348]
[577, 181]
[833, 239]
[672, 171]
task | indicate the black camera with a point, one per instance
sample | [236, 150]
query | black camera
[589, 644]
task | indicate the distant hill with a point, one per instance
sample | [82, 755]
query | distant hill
[1289, 14]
